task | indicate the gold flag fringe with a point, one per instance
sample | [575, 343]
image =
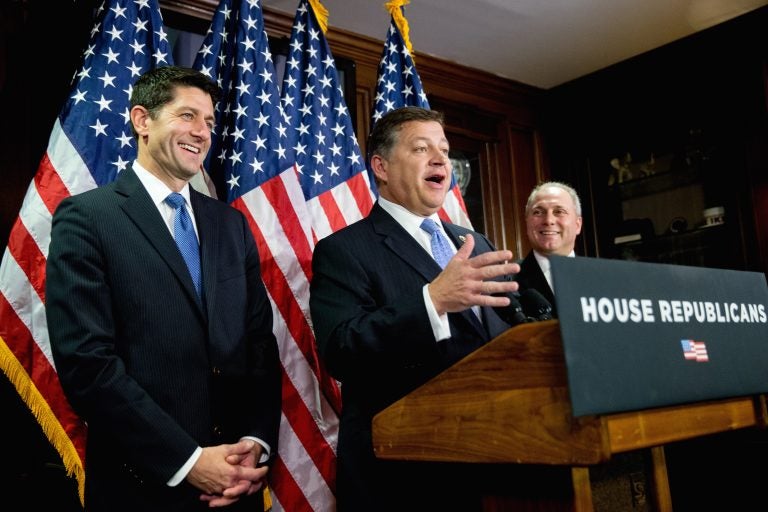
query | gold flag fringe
[51, 426]
[394, 8]
[321, 13]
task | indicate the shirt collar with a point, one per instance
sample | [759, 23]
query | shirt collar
[157, 190]
[407, 219]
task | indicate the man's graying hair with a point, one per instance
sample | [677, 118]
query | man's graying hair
[156, 87]
[384, 135]
[557, 184]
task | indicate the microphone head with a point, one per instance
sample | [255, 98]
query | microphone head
[518, 316]
[535, 305]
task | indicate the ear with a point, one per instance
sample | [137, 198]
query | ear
[379, 167]
[140, 119]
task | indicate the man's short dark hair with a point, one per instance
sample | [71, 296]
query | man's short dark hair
[383, 137]
[156, 87]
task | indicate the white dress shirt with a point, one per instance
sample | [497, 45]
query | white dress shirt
[546, 267]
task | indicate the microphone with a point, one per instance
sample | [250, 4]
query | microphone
[518, 317]
[535, 306]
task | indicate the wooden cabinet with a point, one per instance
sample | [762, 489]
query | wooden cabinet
[674, 207]
[688, 120]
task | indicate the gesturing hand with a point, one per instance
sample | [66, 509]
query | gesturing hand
[467, 282]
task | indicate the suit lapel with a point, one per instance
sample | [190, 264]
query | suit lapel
[138, 206]
[208, 231]
[402, 245]
[457, 236]
[536, 277]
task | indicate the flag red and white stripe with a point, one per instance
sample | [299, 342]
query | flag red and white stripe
[260, 152]
[695, 351]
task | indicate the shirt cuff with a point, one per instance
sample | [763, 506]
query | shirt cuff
[182, 473]
[440, 326]
[264, 453]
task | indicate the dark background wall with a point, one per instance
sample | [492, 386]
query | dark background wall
[703, 97]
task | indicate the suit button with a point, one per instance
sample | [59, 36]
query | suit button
[216, 371]
[217, 431]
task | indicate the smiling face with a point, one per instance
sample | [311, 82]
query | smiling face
[416, 172]
[552, 222]
[173, 143]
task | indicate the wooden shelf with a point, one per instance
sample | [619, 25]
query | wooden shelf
[707, 247]
[657, 183]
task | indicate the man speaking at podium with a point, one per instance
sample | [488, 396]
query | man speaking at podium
[387, 317]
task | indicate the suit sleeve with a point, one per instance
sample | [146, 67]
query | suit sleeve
[368, 312]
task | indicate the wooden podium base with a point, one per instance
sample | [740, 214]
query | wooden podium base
[507, 404]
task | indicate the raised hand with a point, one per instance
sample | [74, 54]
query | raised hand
[468, 281]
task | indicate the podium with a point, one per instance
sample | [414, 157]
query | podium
[507, 403]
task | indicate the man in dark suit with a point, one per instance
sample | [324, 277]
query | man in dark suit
[386, 317]
[552, 220]
[177, 377]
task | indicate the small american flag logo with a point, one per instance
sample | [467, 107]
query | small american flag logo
[695, 350]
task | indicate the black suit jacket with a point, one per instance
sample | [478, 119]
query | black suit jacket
[152, 369]
[531, 276]
[374, 335]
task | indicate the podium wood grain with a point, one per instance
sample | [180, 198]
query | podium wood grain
[507, 402]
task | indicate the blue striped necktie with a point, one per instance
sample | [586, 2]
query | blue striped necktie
[186, 240]
[441, 247]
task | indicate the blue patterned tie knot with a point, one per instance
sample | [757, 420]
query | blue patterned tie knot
[441, 247]
[186, 240]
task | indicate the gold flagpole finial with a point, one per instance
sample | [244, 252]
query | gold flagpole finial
[395, 9]
[321, 13]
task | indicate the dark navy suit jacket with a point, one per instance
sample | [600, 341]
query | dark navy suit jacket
[531, 276]
[374, 335]
[152, 369]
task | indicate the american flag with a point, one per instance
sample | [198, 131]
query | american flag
[398, 85]
[91, 141]
[331, 168]
[261, 150]
[695, 350]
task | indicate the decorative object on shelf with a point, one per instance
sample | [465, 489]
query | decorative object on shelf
[714, 216]
[633, 230]
[648, 168]
[677, 225]
[623, 171]
[462, 169]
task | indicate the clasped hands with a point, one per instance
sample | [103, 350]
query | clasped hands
[468, 281]
[228, 471]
